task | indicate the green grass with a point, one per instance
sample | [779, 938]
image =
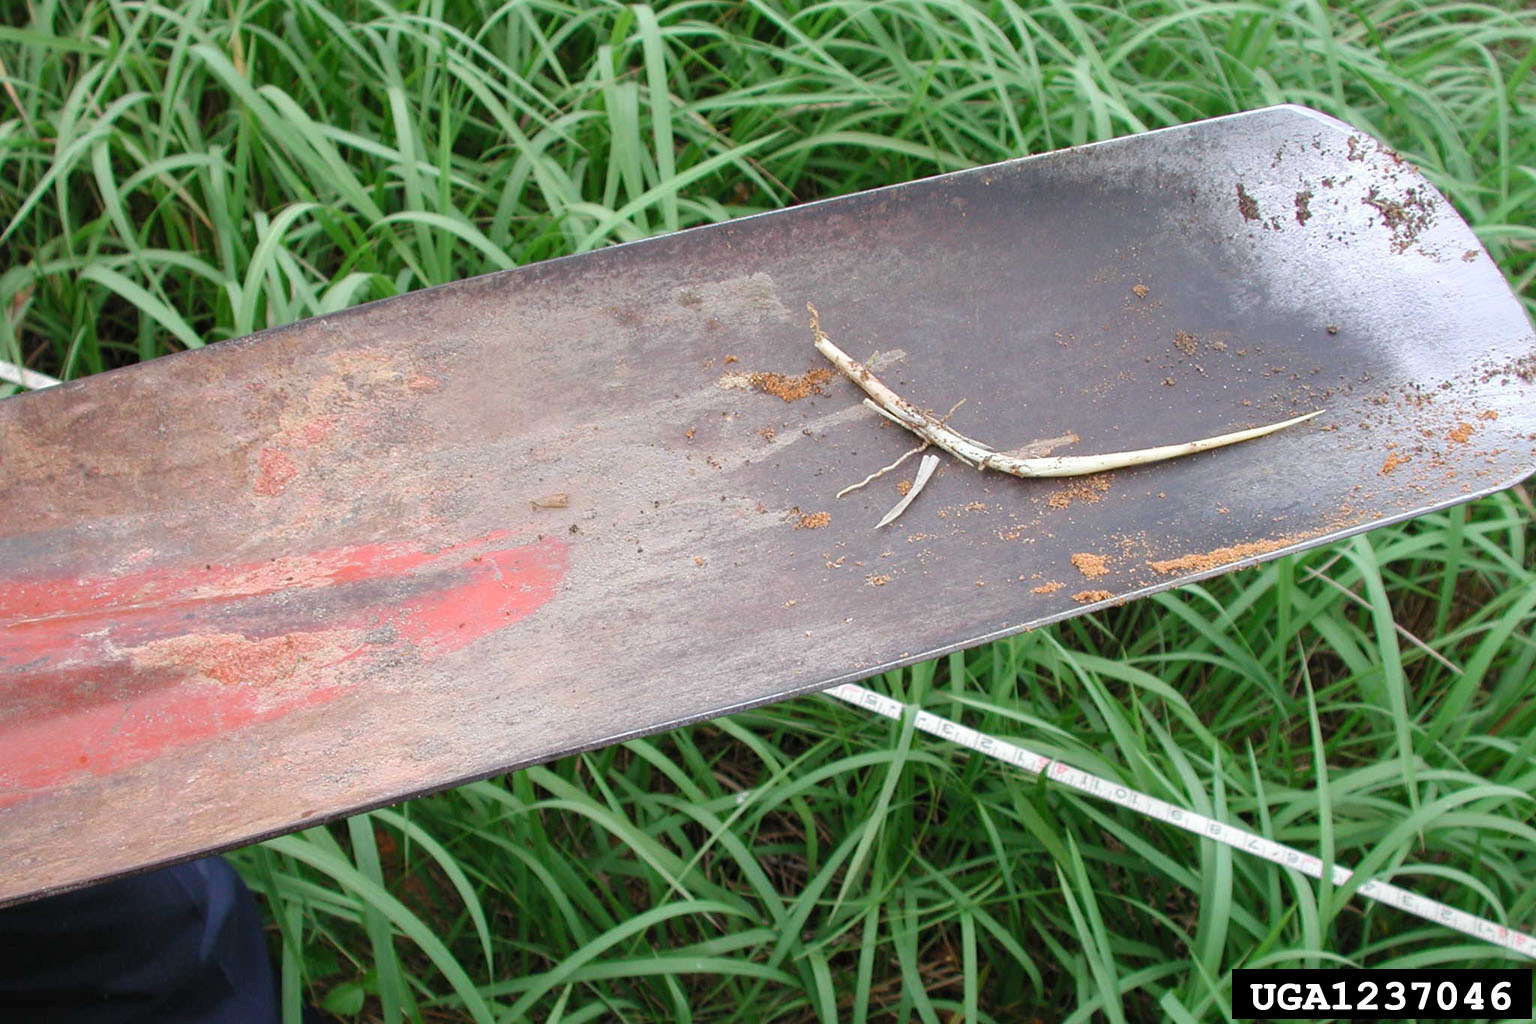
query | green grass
[172, 174]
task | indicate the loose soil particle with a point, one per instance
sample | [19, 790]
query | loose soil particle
[1185, 342]
[1461, 434]
[1246, 204]
[1047, 588]
[791, 389]
[1089, 564]
[1218, 557]
[1141, 290]
[1089, 490]
[1405, 218]
[1303, 206]
[813, 520]
[1393, 461]
[1092, 596]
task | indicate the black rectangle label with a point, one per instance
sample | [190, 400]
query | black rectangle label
[1384, 994]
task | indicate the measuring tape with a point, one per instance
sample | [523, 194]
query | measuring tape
[1189, 821]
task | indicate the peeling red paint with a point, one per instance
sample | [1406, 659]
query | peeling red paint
[102, 673]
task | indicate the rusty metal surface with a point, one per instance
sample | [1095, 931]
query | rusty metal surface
[256, 586]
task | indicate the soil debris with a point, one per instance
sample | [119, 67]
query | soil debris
[1047, 588]
[1406, 218]
[557, 500]
[1303, 206]
[877, 580]
[903, 487]
[1092, 596]
[1185, 342]
[1523, 368]
[1246, 204]
[789, 388]
[1141, 291]
[1090, 490]
[812, 520]
[1461, 434]
[1090, 565]
[1393, 461]
[1219, 557]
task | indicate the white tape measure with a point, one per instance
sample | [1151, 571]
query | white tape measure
[1189, 821]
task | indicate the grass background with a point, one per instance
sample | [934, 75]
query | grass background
[177, 173]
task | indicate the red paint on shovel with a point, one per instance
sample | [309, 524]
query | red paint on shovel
[102, 673]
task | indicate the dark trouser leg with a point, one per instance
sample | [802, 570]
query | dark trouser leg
[179, 945]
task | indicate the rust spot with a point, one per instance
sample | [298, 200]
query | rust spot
[233, 658]
[274, 471]
[316, 430]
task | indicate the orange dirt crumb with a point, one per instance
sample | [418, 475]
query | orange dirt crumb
[690, 432]
[813, 520]
[1488, 414]
[698, 561]
[1047, 588]
[877, 580]
[767, 433]
[1088, 490]
[1091, 596]
[1461, 435]
[1185, 342]
[791, 388]
[1219, 557]
[730, 359]
[903, 487]
[1141, 290]
[1393, 461]
[1090, 565]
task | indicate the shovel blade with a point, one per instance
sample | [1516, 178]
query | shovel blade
[254, 587]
